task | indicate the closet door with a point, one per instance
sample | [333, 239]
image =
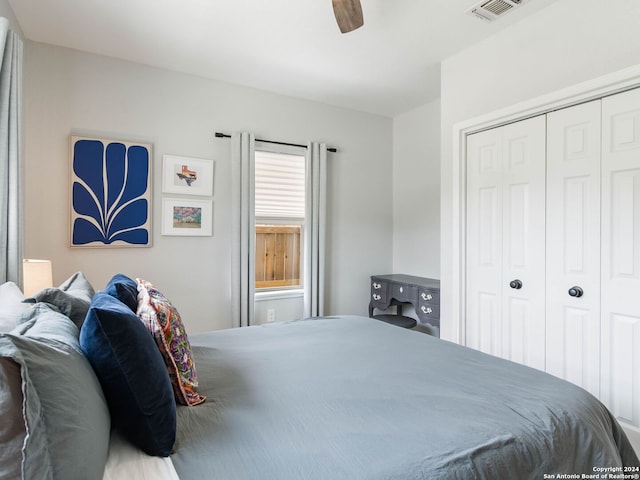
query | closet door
[505, 241]
[484, 329]
[621, 255]
[573, 245]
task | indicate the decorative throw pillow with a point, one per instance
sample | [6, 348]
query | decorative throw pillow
[63, 408]
[124, 289]
[11, 306]
[72, 298]
[132, 374]
[162, 319]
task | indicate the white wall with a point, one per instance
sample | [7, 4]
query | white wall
[7, 12]
[566, 43]
[416, 192]
[71, 92]
[286, 306]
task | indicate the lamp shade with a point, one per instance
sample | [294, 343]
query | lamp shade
[36, 275]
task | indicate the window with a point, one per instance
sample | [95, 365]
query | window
[279, 214]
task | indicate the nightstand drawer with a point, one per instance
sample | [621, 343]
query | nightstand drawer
[429, 296]
[426, 310]
[379, 292]
[404, 293]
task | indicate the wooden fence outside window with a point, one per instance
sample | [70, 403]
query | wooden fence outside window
[277, 256]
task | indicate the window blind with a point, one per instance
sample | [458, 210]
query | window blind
[279, 185]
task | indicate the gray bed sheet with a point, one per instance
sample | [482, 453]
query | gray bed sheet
[355, 398]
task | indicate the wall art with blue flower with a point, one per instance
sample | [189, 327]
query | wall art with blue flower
[110, 193]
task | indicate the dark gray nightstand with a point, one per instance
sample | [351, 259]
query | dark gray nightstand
[397, 290]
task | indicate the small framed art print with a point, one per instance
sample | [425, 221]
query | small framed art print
[187, 217]
[187, 176]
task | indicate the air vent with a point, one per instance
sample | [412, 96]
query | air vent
[492, 9]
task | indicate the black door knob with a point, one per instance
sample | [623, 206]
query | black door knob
[576, 292]
[517, 284]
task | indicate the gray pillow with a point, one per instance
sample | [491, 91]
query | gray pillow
[12, 428]
[11, 306]
[72, 298]
[64, 411]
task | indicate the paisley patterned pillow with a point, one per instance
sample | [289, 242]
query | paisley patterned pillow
[163, 321]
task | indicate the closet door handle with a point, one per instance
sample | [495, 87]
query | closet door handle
[576, 292]
[517, 284]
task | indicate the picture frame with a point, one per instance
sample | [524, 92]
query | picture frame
[110, 193]
[187, 217]
[187, 175]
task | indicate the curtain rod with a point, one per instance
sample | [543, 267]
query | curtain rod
[224, 135]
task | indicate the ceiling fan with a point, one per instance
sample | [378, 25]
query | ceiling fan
[348, 14]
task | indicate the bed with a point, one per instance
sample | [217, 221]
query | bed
[348, 397]
[351, 397]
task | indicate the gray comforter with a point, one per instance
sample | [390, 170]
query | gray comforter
[355, 398]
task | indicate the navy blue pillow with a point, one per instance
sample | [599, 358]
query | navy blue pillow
[124, 289]
[132, 374]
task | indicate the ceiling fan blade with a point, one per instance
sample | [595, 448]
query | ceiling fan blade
[348, 14]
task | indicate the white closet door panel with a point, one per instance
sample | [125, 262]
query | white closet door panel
[621, 366]
[505, 241]
[484, 242]
[523, 210]
[621, 255]
[518, 332]
[486, 334]
[573, 245]
[576, 354]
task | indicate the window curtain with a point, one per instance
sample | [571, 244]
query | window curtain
[11, 213]
[243, 228]
[315, 223]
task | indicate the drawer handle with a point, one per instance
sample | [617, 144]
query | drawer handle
[377, 286]
[376, 296]
[427, 296]
[426, 310]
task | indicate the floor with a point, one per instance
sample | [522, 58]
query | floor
[428, 329]
[634, 438]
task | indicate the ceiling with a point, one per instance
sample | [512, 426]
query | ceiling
[290, 47]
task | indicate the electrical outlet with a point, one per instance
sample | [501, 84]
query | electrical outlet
[271, 315]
